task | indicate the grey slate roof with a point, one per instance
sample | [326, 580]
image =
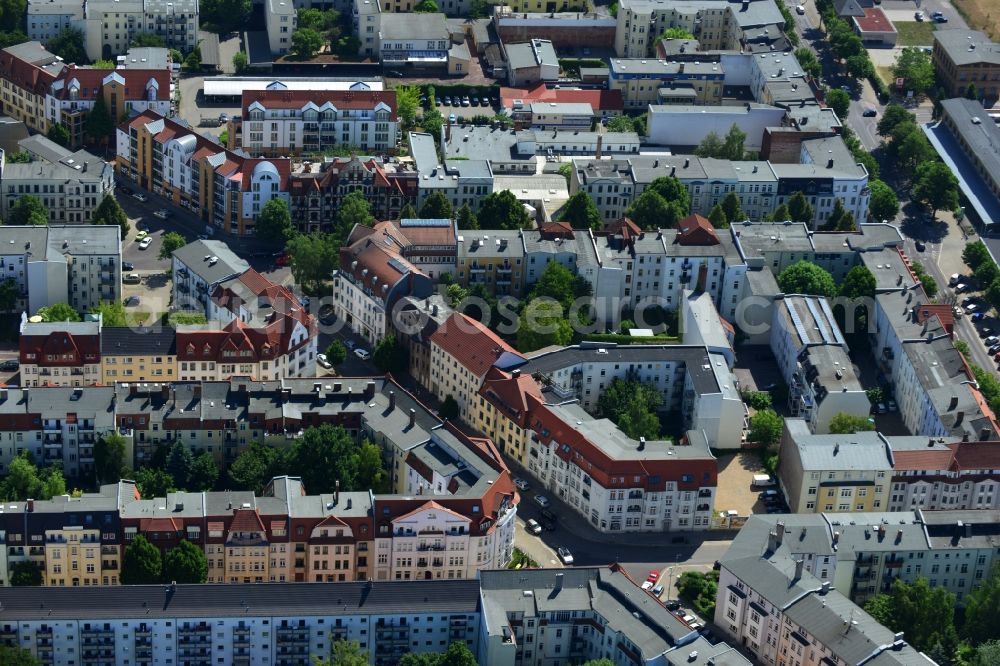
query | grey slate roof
[139, 341]
[860, 451]
[983, 138]
[193, 256]
[956, 43]
[411, 26]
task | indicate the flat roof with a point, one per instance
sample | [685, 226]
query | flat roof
[874, 20]
[233, 86]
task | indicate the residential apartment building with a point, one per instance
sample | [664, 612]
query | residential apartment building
[943, 476]
[419, 40]
[373, 276]
[462, 182]
[281, 20]
[75, 264]
[227, 190]
[56, 425]
[198, 268]
[283, 122]
[977, 136]
[26, 72]
[502, 619]
[111, 25]
[66, 353]
[430, 245]
[495, 260]
[69, 184]
[462, 351]
[643, 82]
[317, 188]
[47, 18]
[963, 57]
[813, 358]
[138, 354]
[563, 116]
[531, 62]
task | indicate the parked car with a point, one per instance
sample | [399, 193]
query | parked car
[653, 576]
[145, 242]
[9, 365]
[961, 288]
[940, 19]
[349, 344]
[521, 485]
[465, 101]
[484, 101]
[954, 279]
[880, 408]
[139, 196]
[979, 316]
[542, 501]
[223, 118]
[142, 233]
[647, 585]
[163, 213]
[985, 332]
[994, 349]
[891, 405]
[132, 278]
[991, 340]
[474, 101]
[658, 590]
[128, 266]
[799, 9]
[447, 100]
[282, 260]
[920, 246]
[362, 354]
[533, 527]
[323, 362]
[452, 118]
[870, 113]
[919, 16]
[132, 301]
[672, 605]
[565, 556]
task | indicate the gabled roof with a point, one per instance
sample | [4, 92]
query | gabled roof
[431, 506]
[603, 100]
[299, 99]
[246, 520]
[696, 230]
[470, 343]
[135, 82]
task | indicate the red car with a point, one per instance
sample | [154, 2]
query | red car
[282, 260]
[653, 576]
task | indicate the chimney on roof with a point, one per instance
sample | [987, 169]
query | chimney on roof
[30, 505]
[197, 390]
[799, 564]
[825, 587]
[515, 373]
[165, 392]
[600, 144]
[899, 535]
[779, 529]
[829, 163]
[133, 389]
[984, 434]
[336, 491]
[642, 443]
[392, 400]
[772, 541]
[559, 583]
[369, 390]
[687, 162]
[413, 417]
[435, 310]
[968, 530]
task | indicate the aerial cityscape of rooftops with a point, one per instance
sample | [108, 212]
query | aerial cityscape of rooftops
[509, 333]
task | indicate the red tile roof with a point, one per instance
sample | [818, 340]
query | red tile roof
[874, 20]
[696, 230]
[136, 80]
[246, 520]
[376, 263]
[470, 343]
[60, 349]
[342, 99]
[976, 455]
[600, 100]
[931, 459]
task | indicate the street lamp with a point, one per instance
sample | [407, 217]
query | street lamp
[670, 575]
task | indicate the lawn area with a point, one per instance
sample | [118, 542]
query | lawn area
[980, 15]
[885, 73]
[915, 33]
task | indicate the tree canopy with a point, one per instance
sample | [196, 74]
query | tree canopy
[914, 66]
[313, 257]
[800, 208]
[436, 207]
[925, 614]
[843, 423]
[59, 134]
[982, 608]
[883, 204]
[17, 656]
[390, 356]
[99, 125]
[859, 283]
[28, 210]
[306, 42]
[25, 574]
[729, 148]
[804, 277]
[225, 15]
[936, 186]
[185, 563]
[581, 212]
[170, 242]
[765, 427]
[58, 312]
[274, 224]
[662, 205]
[109, 457]
[142, 563]
[543, 323]
[110, 212]
[839, 101]
[632, 406]
[344, 653]
[502, 210]
[69, 45]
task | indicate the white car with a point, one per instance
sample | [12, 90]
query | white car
[323, 361]
[362, 354]
[954, 279]
[521, 484]
[565, 556]
[647, 585]
[799, 9]
[145, 242]
[542, 501]
[532, 526]
[139, 196]
[163, 213]
[132, 278]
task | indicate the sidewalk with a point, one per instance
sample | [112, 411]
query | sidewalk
[949, 259]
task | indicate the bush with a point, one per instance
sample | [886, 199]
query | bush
[757, 399]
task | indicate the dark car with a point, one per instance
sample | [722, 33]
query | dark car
[869, 113]
[920, 246]
[673, 605]
[9, 364]
[128, 266]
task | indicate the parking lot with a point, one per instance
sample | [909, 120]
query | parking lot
[734, 490]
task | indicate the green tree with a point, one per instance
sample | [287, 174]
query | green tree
[458, 654]
[185, 563]
[58, 312]
[9, 293]
[179, 464]
[673, 33]
[758, 400]
[936, 186]
[148, 39]
[354, 210]
[839, 101]
[710, 146]
[620, 124]
[109, 457]
[859, 283]
[839, 218]
[651, 211]
[843, 423]
[992, 296]
[914, 66]
[732, 208]
[408, 212]
[432, 122]
[192, 62]
[241, 63]
[913, 150]
[975, 254]
[982, 608]
[17, 656]
[109, 211]
[883, 204]
[860, 66]
[427, 7]
[804, 277]
[632, 406]
[800, 208]
[781, 213]
[987, 654]
[225, 15]
[170, 243]
[765, 427]
[502, 210]
[254, 467]
[327, 454]
[699, 589]
[153, 482]
[733, 146]
[336, 353]
[986, 273]
[371, 468]
[926, 614]
[313, 258]
[344, 653]
[204, 473]
[274, 224]
[436, 207]
[556, 282]
[390, 356]
[456, 293]
[809, 62]
[99, 125]
[893, 115]
[467, 220]
[25, 574]
[141, 563]
[543, 324]
[58, 134]
[68, 45]
[718, 218]
[407, 105]
[28, 211]
[581, 212]
[449, 408]
[305, 43]
[971, 92]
